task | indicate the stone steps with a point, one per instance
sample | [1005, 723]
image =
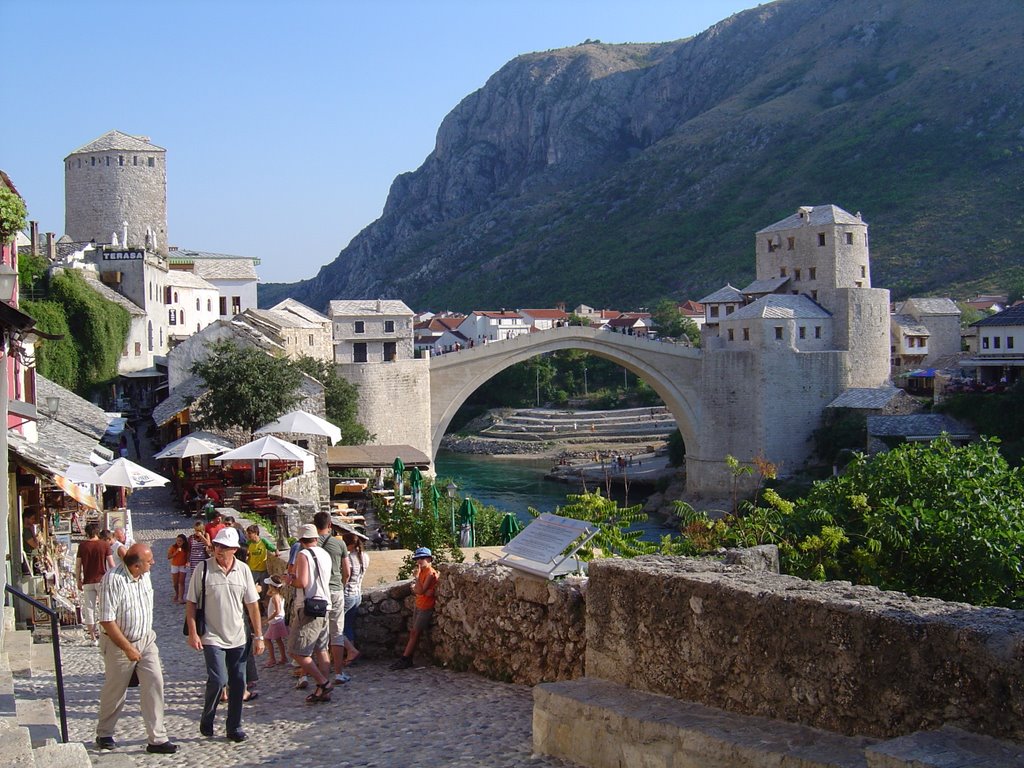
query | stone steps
[600, 724]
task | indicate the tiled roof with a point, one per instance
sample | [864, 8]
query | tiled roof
[363, 307]
[820, 215]
[499, 315]
[770, 285]
[932, 306]
[185, 279]
[182, 397]
[281, 319]
[1010, 316]
[93, 281]
[910, 325]
[300, 309]
[115, 140]
[74, 411]
[863, 398]
[917, 425]
[690, 307]
[225, 268]
[549, 314]
[778, 306]
[728, 294]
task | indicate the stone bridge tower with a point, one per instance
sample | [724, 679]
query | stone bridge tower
[116, 179]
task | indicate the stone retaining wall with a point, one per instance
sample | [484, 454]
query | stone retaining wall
[854, 660]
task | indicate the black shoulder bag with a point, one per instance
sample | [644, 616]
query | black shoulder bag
[200, 610]
[315, 607]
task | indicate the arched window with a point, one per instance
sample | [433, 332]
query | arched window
[150, 335]
[197, 304]
[209, 305]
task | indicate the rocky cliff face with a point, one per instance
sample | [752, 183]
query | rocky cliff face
[625, 173]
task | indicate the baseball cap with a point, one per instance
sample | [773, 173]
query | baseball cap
[226, 537]
[421, 553]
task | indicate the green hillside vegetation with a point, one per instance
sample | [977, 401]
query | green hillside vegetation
[95, 332]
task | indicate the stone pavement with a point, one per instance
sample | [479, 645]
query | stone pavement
[419, 717]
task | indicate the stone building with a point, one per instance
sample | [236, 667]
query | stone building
[811, 327]
[924, 333]
[234, 277]
[115, 192]
[302, 331]
[371, 331]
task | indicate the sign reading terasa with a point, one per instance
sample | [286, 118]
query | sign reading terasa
[123, 255]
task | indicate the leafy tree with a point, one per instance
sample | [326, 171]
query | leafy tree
[246, 387]
[614, 540]
[31, 271]
[99, 329]
[844, 429]
[676, 449]
[673, 324]
[341, 399]
[969, 315]
[56, 359]
[13, 213]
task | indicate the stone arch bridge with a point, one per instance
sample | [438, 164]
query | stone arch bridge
[671, 370]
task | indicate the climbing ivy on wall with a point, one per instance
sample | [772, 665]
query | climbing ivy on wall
[96, 328]
[56, 359]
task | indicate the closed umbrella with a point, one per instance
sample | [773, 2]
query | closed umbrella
[416, 485]
[509, 528]
[435, 499]
[399, 467]
[467, 523]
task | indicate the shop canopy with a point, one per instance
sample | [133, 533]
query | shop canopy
[375, 457]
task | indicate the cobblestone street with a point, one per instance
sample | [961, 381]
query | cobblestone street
[419, 717]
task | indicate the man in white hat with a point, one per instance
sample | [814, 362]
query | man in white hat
[220, 586]
[310, 634]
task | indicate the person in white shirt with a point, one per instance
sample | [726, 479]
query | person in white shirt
[310, 635]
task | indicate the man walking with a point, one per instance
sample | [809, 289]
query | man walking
[129, 645]
[223, 584]
[334, 547]
[309, 635]
[90, 565]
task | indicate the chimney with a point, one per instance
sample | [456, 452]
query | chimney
[380, 306]
[33, 233]
[51, 247]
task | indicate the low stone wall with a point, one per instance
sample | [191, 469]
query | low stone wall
[854, 660]
[510, 626]
[382, 622]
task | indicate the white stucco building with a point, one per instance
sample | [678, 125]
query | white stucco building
[369, 331]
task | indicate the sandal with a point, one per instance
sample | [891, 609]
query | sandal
[351, 658]
[251, 696]
[321, 694]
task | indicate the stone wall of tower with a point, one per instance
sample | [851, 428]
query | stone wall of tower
[102, 190]
[861, 327]
[394, 401]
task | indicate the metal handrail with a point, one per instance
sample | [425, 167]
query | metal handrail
[55, 633]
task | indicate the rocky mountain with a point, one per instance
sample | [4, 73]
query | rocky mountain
[620, 174]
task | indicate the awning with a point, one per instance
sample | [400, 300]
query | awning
[145, 373]
[76, 492]
[375, 456]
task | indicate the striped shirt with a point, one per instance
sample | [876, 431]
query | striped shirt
[128, 601]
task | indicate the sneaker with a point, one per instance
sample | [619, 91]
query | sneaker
[207, 732]
[341, 678]
[303, 683]
[237, 737]
[167, 748]
[94, 642]
[105, 742]
[403, 662]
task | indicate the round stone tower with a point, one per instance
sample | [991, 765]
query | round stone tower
[117, 185]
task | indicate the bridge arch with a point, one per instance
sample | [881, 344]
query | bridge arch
[671, 370]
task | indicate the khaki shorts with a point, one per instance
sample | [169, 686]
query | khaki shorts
[336, 618]
[422, 618]
[306, 635]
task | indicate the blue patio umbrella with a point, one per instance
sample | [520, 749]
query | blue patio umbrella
[467, 524]
[509, 528]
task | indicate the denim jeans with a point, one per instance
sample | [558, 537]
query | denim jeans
[224, 666]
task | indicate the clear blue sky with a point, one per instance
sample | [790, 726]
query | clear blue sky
[284, 122]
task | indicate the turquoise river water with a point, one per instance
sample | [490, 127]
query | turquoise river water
[513, 485]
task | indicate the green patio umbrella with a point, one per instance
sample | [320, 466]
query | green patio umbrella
[416, 485]
[435, 499]
[467, 523]
[509, 528]
[399, 468]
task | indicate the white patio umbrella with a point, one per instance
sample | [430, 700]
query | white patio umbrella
[82, 473]
[269, 447]
[303, 423]
[128, 474]
[194, 445]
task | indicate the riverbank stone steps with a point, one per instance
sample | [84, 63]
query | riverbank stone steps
[600, 724]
